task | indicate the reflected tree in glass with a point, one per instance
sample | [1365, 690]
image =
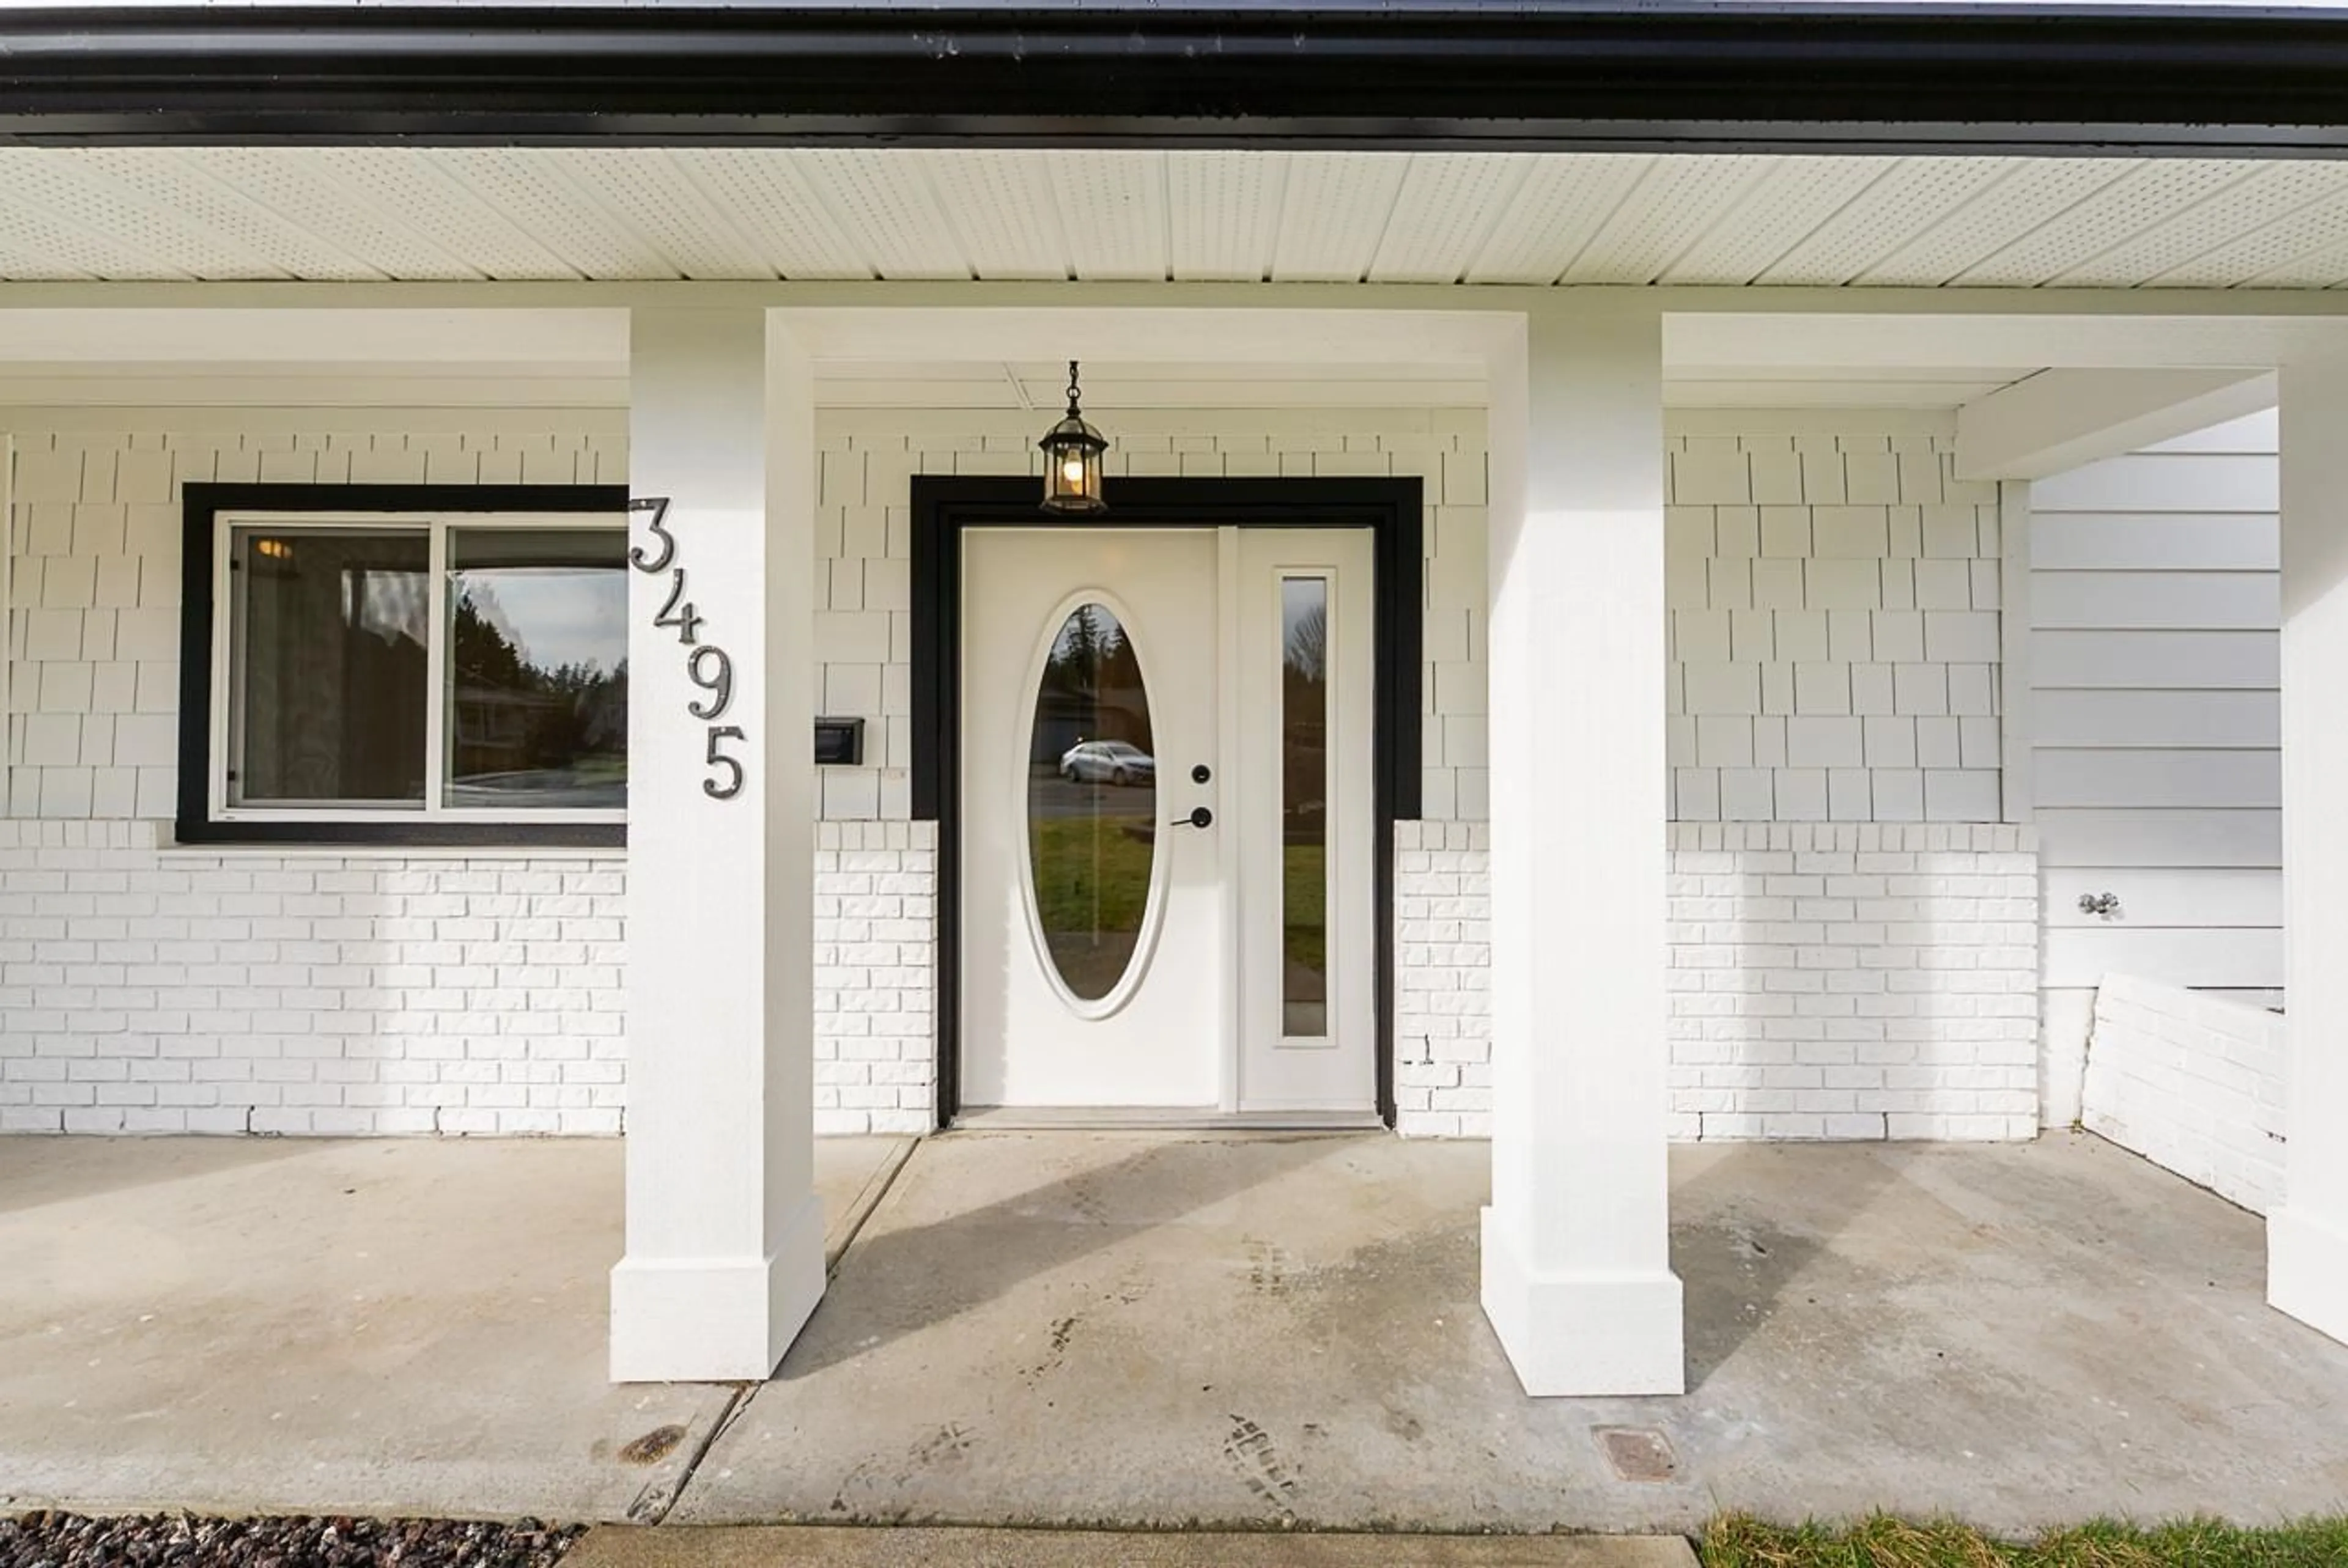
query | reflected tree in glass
[536, 697]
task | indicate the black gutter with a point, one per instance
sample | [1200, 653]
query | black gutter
[1668, 75]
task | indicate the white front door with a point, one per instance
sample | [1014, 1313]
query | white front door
[1167, 903]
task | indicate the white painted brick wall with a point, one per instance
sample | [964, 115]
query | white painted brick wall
[1833, 590]
[1443, 948]
[146, 990]
[162, 989]
[876, 977]
[1854, 980]
[1830, 980]
[2193, 1082]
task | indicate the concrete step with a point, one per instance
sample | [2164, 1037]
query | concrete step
[857, 1546]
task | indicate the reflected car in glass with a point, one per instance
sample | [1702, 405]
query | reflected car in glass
[1107, 762]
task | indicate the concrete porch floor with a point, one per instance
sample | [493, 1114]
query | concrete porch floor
[1137, 1329]
[303, 1326]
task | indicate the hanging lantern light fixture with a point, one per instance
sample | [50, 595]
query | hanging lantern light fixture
[1072, 460]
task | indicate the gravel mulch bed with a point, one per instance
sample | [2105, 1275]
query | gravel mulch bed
[186, 1541]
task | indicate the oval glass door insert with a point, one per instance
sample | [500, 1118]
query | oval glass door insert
[1092, 804]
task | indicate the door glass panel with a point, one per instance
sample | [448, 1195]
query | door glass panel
[1304, 807]
[1092, 802]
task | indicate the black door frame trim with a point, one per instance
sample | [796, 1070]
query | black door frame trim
[201, 505]
[944, 509]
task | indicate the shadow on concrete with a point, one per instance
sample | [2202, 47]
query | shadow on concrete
[37, 1170]
[1746, 1229]
[892, 1283]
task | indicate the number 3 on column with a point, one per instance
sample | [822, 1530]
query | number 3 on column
[717, 759]
[637, 555]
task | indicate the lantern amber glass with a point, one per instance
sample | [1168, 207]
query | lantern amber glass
[1071, 468]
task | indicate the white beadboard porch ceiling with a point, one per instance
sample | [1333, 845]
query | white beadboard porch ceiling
[332, 213]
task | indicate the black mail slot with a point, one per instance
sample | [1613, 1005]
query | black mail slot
[838, 743]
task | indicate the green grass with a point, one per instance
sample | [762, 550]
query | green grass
[1091, 875]
[1092, 891]
[1305, 920]
[1734, 1540]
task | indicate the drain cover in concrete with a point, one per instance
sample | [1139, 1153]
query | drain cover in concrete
[1637, 1453]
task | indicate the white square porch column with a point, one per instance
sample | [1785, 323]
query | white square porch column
[725, 1235]
[2307, 1238]
[1577, 1271]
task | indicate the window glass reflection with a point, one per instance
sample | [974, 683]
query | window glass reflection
[331, 672]
[537, 691]
[1092, 802]
[1304, 807]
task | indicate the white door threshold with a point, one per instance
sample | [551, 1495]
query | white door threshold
[1175, 1117]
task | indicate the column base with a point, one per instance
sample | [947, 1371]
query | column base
[716, 1319]
[2307, 1270]
[1583, 1334]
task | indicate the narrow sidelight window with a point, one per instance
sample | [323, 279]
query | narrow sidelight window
[1304, 807]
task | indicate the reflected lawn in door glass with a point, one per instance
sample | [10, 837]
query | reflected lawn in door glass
[1304, 807]
[537, 668]
[1092, 802]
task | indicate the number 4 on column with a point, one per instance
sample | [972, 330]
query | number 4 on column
[684, 617]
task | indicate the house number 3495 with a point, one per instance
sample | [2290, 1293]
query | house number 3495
[707, 665]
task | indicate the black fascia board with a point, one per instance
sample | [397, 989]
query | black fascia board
[1549, 74]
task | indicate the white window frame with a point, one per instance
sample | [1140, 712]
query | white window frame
[228, 622]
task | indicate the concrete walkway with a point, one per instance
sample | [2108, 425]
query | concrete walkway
[1144, 1329]
[1073, 1329]
[296, 1325]
[913, 1546]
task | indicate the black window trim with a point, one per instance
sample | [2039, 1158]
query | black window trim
[202, 506]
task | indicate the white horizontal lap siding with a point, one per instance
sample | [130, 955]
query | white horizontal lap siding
[2155, 670]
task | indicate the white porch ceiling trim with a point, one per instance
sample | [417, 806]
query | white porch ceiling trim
[2059, 419]
[376, 214]
[1005, 347]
